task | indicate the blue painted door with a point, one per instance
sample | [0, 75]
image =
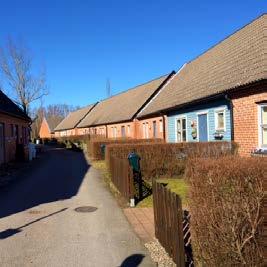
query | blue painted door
[203, 127]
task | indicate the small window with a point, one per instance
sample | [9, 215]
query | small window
[160, 126]
[114, 132]
[154, 129]
[144, 130]
[123, 133]
[220, 120]
[129, 130]
[147, 130]
[263, 126]
[181, 130]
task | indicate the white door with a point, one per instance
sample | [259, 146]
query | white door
[2, 143]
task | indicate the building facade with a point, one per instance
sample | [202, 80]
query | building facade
[201, 123]
[14, 129]
[250, 119]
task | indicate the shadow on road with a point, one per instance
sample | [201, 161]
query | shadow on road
[133, 261]
[10, 232]
[57, 178]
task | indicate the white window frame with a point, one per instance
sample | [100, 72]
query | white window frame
[186, 132]
[260, 141]
[216, 111]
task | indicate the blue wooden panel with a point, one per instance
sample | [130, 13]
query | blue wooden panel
[191, 115]
[203, 128]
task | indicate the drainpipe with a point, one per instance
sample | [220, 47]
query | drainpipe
[232, 115]
[164, 127]
[106, 131]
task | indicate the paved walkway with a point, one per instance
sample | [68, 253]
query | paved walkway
[142, 220]
[40, 227]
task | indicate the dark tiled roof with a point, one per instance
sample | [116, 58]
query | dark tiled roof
[71, 121]
[9, 107]
[124, 106]
[238, 60]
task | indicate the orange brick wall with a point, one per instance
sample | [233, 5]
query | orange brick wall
[44, 130]
[159, 132]
[133, 129]
[10, 141]
[69, 132]
[82, 131]
[245, 113]
[129, 129]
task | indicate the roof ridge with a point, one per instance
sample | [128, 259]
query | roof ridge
[79, 109]
[225, 38]
[132, 88]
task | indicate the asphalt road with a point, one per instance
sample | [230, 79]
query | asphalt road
[40, 227]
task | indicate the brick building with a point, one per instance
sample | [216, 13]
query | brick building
[14, 129]
[250, 118]
[221, 94]
[47, 127]
[115, 117]
[68, 126]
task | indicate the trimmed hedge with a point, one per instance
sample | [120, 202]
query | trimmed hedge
[226, 206]
[167, 159]
[78, 141]
[94, 146]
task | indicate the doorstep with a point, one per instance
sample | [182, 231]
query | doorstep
[142, 221]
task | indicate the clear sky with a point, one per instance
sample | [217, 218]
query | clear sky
[82, 43]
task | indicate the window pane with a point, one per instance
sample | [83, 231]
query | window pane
[264, 115]
[178, 125]
[154, 129]
[184, 124]
[161, 126]
[181, 130]
[220, 118]
[184, 135]
[179, 137]
[264, 136]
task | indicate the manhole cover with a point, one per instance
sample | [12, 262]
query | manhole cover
[86, 209]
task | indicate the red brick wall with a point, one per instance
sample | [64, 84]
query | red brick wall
[245, 113]
[10, 141]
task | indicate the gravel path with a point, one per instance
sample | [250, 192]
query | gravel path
[40, 227]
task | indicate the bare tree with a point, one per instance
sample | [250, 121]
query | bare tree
[16, 67]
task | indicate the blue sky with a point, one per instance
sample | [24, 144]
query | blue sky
[82, 43]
